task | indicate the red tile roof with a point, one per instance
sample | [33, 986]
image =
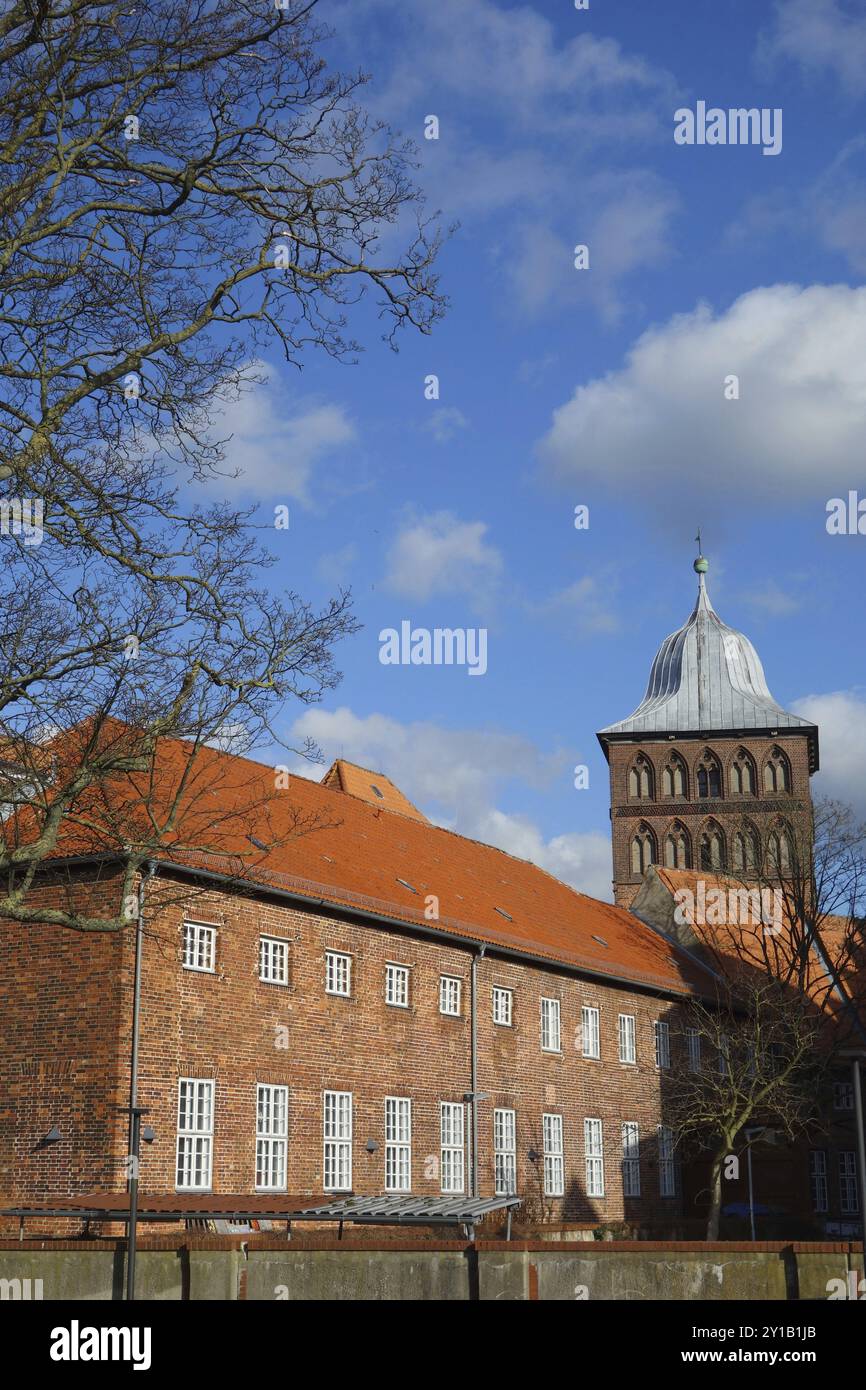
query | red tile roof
[328, 841]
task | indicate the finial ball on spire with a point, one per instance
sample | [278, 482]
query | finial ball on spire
[701, 565]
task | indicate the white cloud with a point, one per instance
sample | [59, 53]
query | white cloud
[275, 448]
[444, 422]
[841, 720]
[662, 428]
[822, 37]
[455, 776]
[439, 554]
[773, 601]
[585, 605]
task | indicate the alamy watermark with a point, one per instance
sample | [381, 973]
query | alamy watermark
[22, 516]
[712, 906]
[737, 126]
[438, 646]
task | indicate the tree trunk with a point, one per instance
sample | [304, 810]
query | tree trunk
[715, 1211]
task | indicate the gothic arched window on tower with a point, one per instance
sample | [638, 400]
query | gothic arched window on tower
[640, 779]
[712, 846]
[777, 773]
[677, 855]
[674, 777]
[745, 850]
[642, 850]
[780, 850]
[743, 779]
[709, 776]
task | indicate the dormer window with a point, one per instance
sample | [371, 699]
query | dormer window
[640, 779]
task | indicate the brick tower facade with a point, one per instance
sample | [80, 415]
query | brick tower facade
[709, 772]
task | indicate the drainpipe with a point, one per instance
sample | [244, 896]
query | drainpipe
[861, 1152]
[474, 1066]
[135, 1111]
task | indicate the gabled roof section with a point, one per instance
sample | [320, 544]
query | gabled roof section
[707, 678]
[370, 786]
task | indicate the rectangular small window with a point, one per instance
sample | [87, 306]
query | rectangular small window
[848, 1202]
[663, 1044]
[554, 1176]
[593, 1149]
[667, 1162]
[630, 1160]
[338, 973]
[273, 960]
[843, 1095]
[627, 1052]
[693, 1047]
[502, 1006]
[199, 946]
[590, 1031]
[818, 1180]
[550, 1030]
[451, 1136]
[397, 986]
[449, 995]
[505, 1152]
[194, 1134]
[272, 1137]
[337, 1129]
[398, 1144]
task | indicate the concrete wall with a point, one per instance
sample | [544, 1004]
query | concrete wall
[312, 1269]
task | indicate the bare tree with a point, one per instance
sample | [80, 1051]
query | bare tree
[182, 183]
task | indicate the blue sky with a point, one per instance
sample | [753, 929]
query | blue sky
[602, 387]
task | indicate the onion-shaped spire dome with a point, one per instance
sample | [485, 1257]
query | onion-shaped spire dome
[707, 678]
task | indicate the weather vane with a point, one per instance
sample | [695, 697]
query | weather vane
[698, 539]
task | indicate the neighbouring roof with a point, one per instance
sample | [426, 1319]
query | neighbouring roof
[327, 845]
[707, 678]
[370, 786]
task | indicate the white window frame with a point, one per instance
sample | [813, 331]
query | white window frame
[590, 1028]
[593, 1153]
[504, 1152]
[452, 1145]
[630, 1159]
[199, 945]
[667, 1162]
[450, 995]
[551, 1024]
[627, 1029]
[849, 1198]
[398, 1144]
[503, 1006]
[553, 1153]
[338, 974]
[337, 1141]
[272, 1137]
[819, 1191]
[693, 1048]
[396, 985]
[195, 1125]
[662, 1036]
[273, 960]
[843, 1089]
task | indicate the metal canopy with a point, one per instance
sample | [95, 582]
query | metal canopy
[409, 1211]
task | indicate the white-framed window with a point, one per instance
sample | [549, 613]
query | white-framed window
[199, 946]
[273, 960]
[503, 1006]
[627, 1048]
[848, 1202]
[663, 1043]
[551, 1036]
[593, 1152]
[554, 1173]
[338, 973]
[452, 1141]
[843, 1095]
[449, 995]
[398, 1144]
[590, 1031]
[693, 1048]
[630, 1159]
[272, 1137]
[337, 1131]
[667, 1162]
[723, 1053]
[505, 1152]
[397, 986]
[818, 1180]
[194, 1133]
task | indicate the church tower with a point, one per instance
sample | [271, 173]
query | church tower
[709, 772]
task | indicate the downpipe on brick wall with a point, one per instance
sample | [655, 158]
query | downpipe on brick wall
[135, 1111]
[474, 1095]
